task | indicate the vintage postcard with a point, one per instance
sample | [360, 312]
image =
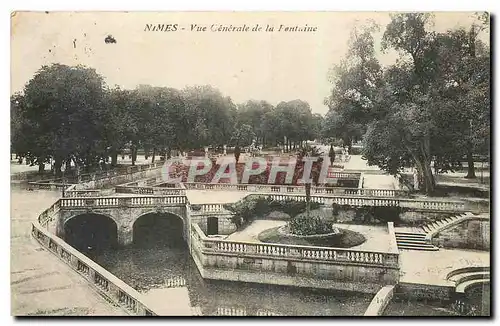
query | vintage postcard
[250, 164]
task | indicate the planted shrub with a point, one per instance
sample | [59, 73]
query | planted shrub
[304, 224]
[367, 214]
[252, 207]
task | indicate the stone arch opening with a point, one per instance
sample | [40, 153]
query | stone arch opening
[91, 233]
[158, 230]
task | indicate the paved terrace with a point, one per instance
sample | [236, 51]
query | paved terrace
[431, 267]
[41, 284]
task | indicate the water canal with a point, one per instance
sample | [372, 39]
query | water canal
[149, 270]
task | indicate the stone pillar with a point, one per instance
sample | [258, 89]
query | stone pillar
[206, 151]
[225, 149]
[125, 235]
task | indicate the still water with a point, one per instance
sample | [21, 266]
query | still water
[150, 270]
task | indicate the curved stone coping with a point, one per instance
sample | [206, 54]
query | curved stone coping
[380, 301]
[285, 251]
[463, 287]
[106, 283]
[469, 269]
[468, 217]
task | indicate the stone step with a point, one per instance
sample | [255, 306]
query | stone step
[410, 234]
[411, 241]
[426, 229]
[418, 247]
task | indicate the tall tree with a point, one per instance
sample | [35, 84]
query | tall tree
[64, 110]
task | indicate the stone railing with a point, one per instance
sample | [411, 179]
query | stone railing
[103, 281]
[296, 189]
[150, 190]
[418, 204]
[57, 183]
[380, 301]
[49, 214]
[84, 193]
[202, 209]
[138, 201]
[50, 185]
[326, 254]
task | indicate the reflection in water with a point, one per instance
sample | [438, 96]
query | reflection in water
[147, 269]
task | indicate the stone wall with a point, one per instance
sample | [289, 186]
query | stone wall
[416, 291]
[226, 226]
[470, 234]
[299, 266]
[299, 273]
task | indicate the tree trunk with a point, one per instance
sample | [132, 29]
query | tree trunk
[471, 170]
[57, 165]
[68, 165]
[153, 156]
[41, 167]
[114, 158]
[169, 153]
[134, 155]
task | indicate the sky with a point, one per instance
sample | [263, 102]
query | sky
[272, 66]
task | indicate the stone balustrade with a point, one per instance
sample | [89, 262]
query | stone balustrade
[203, 209]
[49, 214]
[296, 189]
[326, 254]
[150, 190]
[82, 193]
[103, 281]
[418, 204]
[57, 183]
[122, 201]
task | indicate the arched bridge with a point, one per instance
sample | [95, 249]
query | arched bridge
[118, 220]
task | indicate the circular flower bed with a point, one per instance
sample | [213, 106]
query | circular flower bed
[338, 238]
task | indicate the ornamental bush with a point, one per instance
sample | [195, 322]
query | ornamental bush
[312, 224]
[249, 208]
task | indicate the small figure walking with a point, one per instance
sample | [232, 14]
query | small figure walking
[331, 154]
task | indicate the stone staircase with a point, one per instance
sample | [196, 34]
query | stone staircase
[413, 241]
[417, 239]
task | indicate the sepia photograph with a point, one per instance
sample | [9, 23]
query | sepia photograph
[266, 163]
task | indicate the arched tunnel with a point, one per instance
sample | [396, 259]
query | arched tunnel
[91, 233]
[158, 230]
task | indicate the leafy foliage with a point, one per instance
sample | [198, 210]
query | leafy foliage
[252, 207]
[309, 224]
[428, 107]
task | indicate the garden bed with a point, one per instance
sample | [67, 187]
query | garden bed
[340, 239]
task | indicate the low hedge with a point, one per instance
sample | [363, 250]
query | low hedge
[249, 208]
